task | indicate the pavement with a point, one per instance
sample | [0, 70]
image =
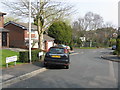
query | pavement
[17, 73]
[111, 57]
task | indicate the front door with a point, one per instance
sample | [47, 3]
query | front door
[4, 39]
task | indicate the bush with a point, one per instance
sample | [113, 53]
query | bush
[71, 48]
[115, 52]
[118, 45]
[24, 56]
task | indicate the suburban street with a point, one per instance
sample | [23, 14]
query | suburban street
[87, 70]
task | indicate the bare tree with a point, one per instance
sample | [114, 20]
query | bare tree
[44, 12]
[91, 21]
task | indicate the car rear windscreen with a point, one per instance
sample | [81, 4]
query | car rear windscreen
[56, 50]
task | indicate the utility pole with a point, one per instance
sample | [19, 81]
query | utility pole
[30, 30]
[119, 18]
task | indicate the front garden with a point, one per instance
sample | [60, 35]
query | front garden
[8, 53]
[22, 57]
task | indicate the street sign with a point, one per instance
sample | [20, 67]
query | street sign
[11, 59]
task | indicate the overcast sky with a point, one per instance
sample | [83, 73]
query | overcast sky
[108, 9]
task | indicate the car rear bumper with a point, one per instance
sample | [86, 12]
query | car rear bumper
[57, 62]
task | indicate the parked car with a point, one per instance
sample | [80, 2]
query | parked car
[113, 47]
[67, 47]
[57, 56]
[61, 45]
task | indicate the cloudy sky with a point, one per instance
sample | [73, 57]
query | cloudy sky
[108, 9]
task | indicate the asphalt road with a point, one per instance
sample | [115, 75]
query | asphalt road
[87, 70]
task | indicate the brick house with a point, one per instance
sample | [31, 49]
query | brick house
[19, 36]
[4, 33]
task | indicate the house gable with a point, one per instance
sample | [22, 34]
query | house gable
[16, 35]
[24, 26]
[18, 25]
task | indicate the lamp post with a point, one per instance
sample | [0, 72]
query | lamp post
[30, 30]
[118, 18]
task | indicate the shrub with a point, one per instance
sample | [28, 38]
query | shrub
[118, 45]
[115, 52]
[24, 56]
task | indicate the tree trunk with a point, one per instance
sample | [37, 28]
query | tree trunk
[40, 35]
[40, 44]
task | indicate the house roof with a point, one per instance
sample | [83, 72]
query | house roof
[1, 13]
[3, 30]
[24, 26]
[46, 38]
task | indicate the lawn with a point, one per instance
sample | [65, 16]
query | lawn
[7, 53]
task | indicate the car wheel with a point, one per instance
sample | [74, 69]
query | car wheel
[67, 67]
[45, 65]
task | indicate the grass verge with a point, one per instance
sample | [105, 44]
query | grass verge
[8, 53]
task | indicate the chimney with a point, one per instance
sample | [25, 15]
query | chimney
[2, 19]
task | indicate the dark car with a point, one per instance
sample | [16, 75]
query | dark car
[57, 56]
[113, 47]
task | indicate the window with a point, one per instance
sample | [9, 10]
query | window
[56, 50]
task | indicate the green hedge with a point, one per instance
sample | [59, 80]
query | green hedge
[115, 52]
[24, 56]
[118, 45]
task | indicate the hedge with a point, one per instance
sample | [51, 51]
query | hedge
[118, 45]
[115, 52]
[24, 56]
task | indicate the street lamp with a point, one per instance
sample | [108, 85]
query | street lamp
[30, 30]
[118, 18]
